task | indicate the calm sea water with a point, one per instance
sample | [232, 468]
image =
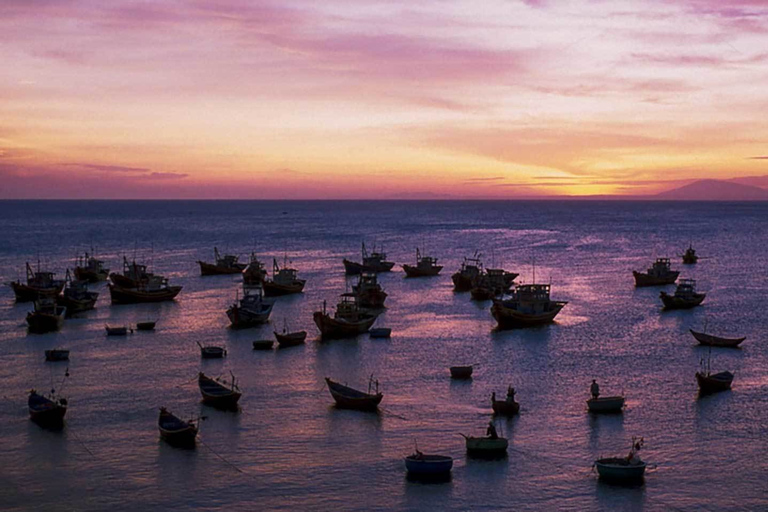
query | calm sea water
[297, 452]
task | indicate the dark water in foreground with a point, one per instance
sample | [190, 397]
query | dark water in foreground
[297, 452]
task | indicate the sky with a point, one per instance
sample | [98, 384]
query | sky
[393, 99]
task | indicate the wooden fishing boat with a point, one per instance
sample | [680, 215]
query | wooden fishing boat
[421, 464]
[348, 321]
[629, 469]
[250, 311]
[373, 262]
[506, 407]
[263, 344]
[176, 431]
[464, 279]
[218, 393]
[211, 351]
[145, 326]
[47, 410]
[716, 341]
[133, 275]
[659, 274]
[380, 332]
[226, 264]
[689, 256]
[76, 297]
[492, 282]
[426, 266]
[714, 382]
[368, 292]
[90, 269]
[290, 339]
[349, 398]
[284, 281]
[486, 446]
[39, 285]
[606, 404]
[57, 354]
[685, 296]
[48, 316]
[155, 289]
[254, 274]
[461, 372]
[529, 305]
[117, 330]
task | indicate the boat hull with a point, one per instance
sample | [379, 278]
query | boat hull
[508, 318]
[642, 279]
[461, 372]
[381, 332]
[354, 268]
[348, 398]
[75, 306]
[674, 302]
[212, 352]
[715, 341]
[714, 383]
[606, 405]
[145, 326]
[263, 344]
[428, 465]
[217, 395]
[290, 339]
[92, 276]
[332, 328]
[504, 408]
[209, 269]
[56, 355]
[461, 282]
[411, 271]
[273, 289]
[485, 446]
[45, 412]
[619, 470]
[121, 295]
[25, 293]
[240, 318]
[41, 323]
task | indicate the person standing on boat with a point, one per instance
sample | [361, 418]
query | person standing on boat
[510, 395]
[491, 431]
[594, 389]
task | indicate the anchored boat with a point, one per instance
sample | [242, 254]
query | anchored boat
[219, 393]
[712, 382]
[288, 338]
[250, 311]
[155, 289]
[226, 264]
[350, 398]
[492, 282]
[506, 407]
[47, 410]
[57, 354]
[284, 281]
[421, 464]
[464, 279]
[689, 256]
[90, 269]
[426, 266]
[254, 274]
[39, 285]
[659, 274]
[211, 351]
[368, 292]
[489, 446]
[348, 320]
[175, 431]
[716, 341]
[685, 296]
[629, 469]
[133, 275]
[76, 296]
[529, 305]
[48, 316]
[373, 262]
[606, 404]
[461, 372]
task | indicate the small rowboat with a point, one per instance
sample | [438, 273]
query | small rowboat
[619, 469]
[218, 394]
[505, 408]
[420, 464]
[606, 404]
[290, 339]
[486, 446]
[380, 332]
[57, 354]
[176, 431]
[715, 382]
[349, 398]
[716, 341]
[211, 351]
[47, 411]
[263, 344]
[117, 330]
[145, 326]
[461, 372]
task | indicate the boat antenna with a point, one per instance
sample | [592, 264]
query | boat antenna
[534, 267]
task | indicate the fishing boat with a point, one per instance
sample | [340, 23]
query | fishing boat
[464, 279]
[716, 341]
[290, 339]
[90, 269]
[689, 256]
[133, 275]
[226, 264]
[461, 372]
[659, 274]
[254, 274]
[348, 320]
[488, 446]
[426, 266]
[145, 326]
[251, 310]
[284, 281]
[175, 431]
[57, 354]
[606, 404]
[380, 332]
[373, 262]
[421, 464]
[48, 316]
[76, 297]
[211, 351]
[47, 410]
[529, 305]
[627, 469]
[685, 296]
[117, 330]
[712, 382]
[368, 291]
[219, 393]
[492, 282]
[506, 407]
[39, 285]
[154, 289]
[349, 398]
[263, 344]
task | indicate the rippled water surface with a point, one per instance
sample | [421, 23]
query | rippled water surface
[288, 448]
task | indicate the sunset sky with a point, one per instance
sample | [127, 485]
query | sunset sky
[359, 99]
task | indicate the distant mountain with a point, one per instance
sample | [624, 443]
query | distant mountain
[715, 190]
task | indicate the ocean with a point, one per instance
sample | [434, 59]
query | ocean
[289, 448]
